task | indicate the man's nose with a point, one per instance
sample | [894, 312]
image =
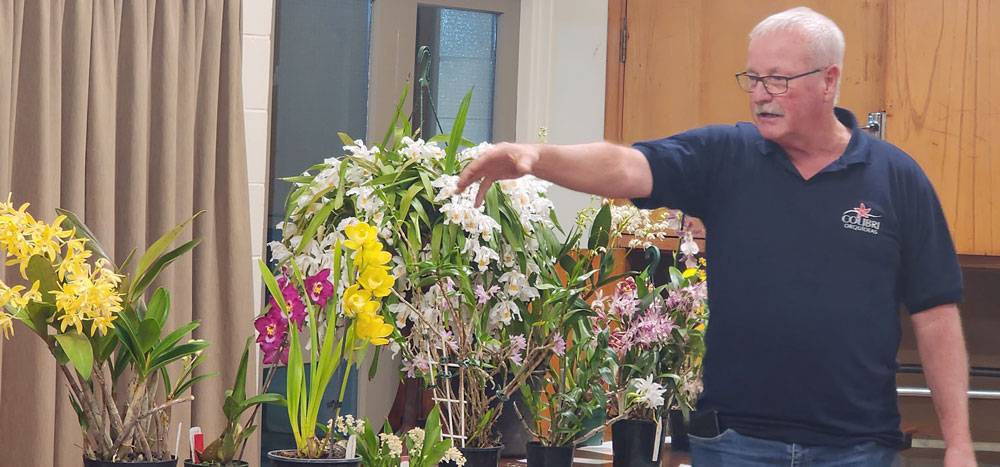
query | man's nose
[759, 94]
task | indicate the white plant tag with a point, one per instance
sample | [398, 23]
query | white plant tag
[352, 447]
[658, 439]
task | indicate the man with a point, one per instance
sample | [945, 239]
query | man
[816, 233]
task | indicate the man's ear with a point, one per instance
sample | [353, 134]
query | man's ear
[830, 79]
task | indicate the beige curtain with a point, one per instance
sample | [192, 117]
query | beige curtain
[129, 113]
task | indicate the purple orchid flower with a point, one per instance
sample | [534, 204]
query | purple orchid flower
[271, 331]
[319, 288]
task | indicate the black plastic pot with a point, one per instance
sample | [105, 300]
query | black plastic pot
[633, 441]
[549, 456]
[478, 457]
[95, 463]
[279, 460]
[188, 463]
[678, 431]
[515, 437]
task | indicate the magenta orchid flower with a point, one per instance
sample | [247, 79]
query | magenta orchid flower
[319, 288]
[271, 331]
[296, 307]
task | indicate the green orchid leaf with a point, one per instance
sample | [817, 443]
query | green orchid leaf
[154, 269]
[71, 221]
[396, 116]
[155, 250]
[345, 138]
[600, 229]
[149, 334]
[79, 352]
[174, 337]
[318, 219]
[455, 137]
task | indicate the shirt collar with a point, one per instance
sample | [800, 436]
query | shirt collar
[856, 152]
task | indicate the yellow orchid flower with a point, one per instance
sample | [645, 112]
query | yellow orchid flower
[373, 328]
[355, 300]
[689, 273]
[102, 324]
[376, 257]
[6, 325]
[74, 260]
[71, 318]
[360, 235]
[377, 280]
[32, 295]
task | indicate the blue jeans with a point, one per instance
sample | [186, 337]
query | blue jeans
[731, 449]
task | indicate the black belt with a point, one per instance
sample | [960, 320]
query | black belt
[706, 424]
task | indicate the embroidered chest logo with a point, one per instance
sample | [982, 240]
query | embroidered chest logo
[862, 219]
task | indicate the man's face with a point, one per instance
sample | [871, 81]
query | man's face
[792, 115]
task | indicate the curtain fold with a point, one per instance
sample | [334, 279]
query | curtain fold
[129, 113]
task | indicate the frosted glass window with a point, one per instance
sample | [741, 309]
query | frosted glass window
[462, 45]
[320, 87]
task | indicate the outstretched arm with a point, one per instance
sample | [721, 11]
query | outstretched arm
[604, 169]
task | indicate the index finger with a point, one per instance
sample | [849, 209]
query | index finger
[469, 175]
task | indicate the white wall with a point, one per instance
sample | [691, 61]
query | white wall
[561, 80]
[258, 27]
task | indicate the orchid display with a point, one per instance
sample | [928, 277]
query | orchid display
[567, 392]
[331, 314]
[424, 446]
[124, 369]
[657, 337]
[644, 227]
[459, 282]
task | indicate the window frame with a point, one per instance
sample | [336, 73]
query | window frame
[393, 47]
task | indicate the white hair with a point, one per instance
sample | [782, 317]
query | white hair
[825, 39]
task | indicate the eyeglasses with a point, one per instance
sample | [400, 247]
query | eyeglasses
[773, 84]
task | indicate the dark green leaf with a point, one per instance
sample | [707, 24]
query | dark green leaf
[191, 382]
[152, 254]
[396, 116]
[455, 137]
[79, 352]
[338, 201]
[318, 219]
[139, 287]
[159, 307]
[175, 353]
[174, 337]
[600, 229]
[404, 205]
[149, 334]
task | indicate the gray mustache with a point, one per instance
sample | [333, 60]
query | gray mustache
[767, 109]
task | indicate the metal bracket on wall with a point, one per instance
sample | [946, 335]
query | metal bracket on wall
[876, 124]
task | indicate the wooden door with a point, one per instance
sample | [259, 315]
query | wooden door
[681, 56]
[930, 64]
[943, 100]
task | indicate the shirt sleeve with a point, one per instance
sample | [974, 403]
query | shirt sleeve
[684, 167]
[930, 274]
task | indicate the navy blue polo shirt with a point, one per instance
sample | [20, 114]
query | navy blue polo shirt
[806, 277]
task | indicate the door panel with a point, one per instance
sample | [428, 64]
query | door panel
[682, 55]
[944, 108]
